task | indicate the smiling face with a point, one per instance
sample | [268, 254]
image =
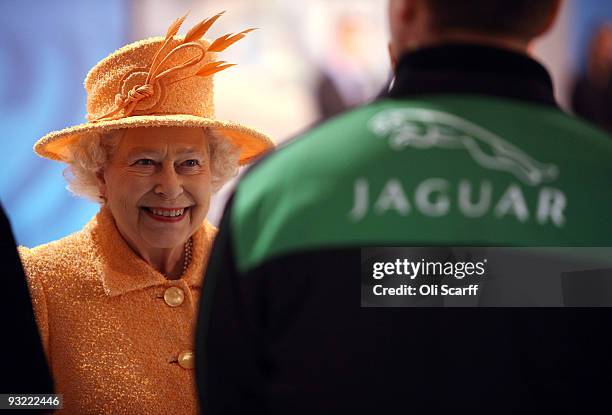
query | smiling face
[158, 185]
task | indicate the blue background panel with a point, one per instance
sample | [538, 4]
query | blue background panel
[46, 50]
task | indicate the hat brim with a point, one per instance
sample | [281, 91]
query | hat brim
[251, 143]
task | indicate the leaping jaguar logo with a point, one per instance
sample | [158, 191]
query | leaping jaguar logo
[424, 129]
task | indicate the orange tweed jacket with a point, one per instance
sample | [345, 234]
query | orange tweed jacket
[113, 341]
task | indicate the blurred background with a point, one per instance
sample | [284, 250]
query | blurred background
[308, 61]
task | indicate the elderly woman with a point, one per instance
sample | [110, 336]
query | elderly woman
[116, 302]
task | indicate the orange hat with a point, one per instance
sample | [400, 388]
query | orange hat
[160, 81]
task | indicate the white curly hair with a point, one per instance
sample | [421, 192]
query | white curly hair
[88, 157]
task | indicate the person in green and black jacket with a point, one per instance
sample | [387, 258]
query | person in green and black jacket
[468, 148]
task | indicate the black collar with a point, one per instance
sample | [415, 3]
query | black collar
[472, 69]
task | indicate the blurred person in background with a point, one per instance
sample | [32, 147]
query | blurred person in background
[115, 302]
[468, 148]
[592, 94]
[344, 81]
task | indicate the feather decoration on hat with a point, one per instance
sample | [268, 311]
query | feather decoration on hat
[125, 104]
[226, 41]
[219, 45]
[191, 38]
[170, 33]
[213, 67]
[175, 26]
[199, 30]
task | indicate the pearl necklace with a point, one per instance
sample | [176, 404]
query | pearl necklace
[187, 259]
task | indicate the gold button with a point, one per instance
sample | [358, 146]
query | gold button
[185, 360]
[174, 296]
